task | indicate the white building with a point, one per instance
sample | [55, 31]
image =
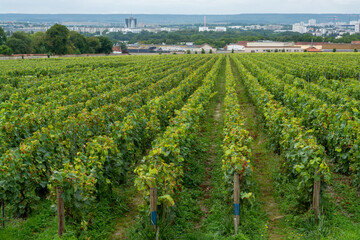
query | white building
[299, 27]
[206, 47]
[235, 47]
[269, 44]
[168, 29]
[357, 27]
[312, 22]
[216, 29]
[203, 29]
[264, 49]
[130, 22]
[236, 27]
[133, 30]
[220, 29]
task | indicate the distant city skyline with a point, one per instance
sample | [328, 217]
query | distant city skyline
[178, 6]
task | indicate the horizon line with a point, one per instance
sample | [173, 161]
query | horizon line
[193, 14]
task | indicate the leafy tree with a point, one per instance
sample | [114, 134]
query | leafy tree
[220, 39]
[210, 51]
[94, 44]
[20, 43]
[232, 51]
[283, 50]
[188, 51]
[57, 38]
[355, 50]
[38, 42]
[195, 52]
[199, 41]
[78, 42]
[202, 51]
[276, 50]
[170, 41]
[105, 45]
[3, 37]
[305, 50]
[334, 50]
[123, 47]
[5, 50]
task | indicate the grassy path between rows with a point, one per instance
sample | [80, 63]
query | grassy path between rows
[212, 137]
[265, 163]
[261, 219]
[130, 216]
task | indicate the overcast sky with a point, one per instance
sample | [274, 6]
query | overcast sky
[180, 6]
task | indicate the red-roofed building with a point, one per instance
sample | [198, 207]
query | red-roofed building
[355, 42]
[313, 49]
[116, 49]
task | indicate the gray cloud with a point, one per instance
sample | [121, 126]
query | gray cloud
[179, 6]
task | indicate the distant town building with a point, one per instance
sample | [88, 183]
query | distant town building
[299, 27]
[262, 49]
[116, 50]
[357, 27]
[340, 47]
[313, 49]
[269, 44]
[130, 22]
[235, 47]
[312, 22]
[216, 29]
[207, 48]
[203, 29]
[132, 30]
[169, 29]
[263, 46]
[307, 45]
[145, 48]
[220, 29]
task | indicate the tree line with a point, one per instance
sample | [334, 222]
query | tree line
[56, 40]
[221, 39]
[59, 40]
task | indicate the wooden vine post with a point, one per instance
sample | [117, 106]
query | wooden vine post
[236, 202]
[316, 196]
[60, 211]
[3, 212]
[153, 205]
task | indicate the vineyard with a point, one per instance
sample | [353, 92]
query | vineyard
[237, 146]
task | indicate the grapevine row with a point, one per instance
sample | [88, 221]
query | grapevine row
[304, 157]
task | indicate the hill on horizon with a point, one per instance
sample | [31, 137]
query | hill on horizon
[173, 19]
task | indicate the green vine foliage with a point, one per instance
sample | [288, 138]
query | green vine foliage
[236, 142]
[332, 116]
[162, 167]
[303, 155]
[75, 143]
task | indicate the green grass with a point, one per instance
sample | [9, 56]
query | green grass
[42, 222]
